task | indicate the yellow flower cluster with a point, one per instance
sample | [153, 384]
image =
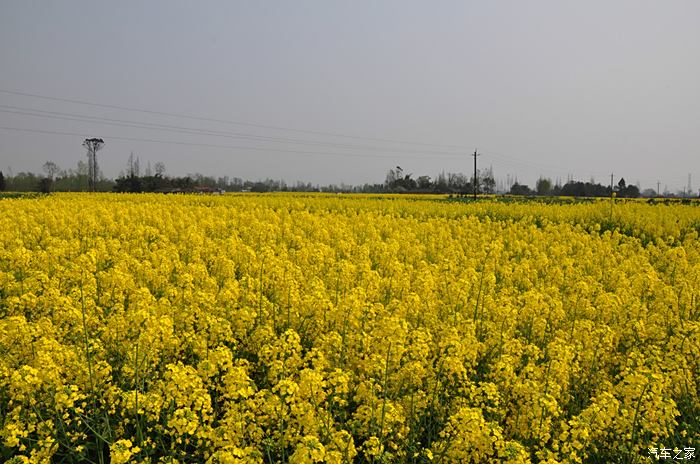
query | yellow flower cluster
[340, 329]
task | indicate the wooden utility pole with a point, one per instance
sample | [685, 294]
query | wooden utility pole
[476, 179]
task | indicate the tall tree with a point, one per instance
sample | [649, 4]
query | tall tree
[2, 182]
[51, 169]
[622, 185]
[160, 168]
[93, 146]
[543, 186]
[487, 181]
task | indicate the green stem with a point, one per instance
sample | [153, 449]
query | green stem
[384, 394]
[634, 422]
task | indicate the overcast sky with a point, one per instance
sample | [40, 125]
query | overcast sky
[554, 88]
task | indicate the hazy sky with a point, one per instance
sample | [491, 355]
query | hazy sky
[557, 88]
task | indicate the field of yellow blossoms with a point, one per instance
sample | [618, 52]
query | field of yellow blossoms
[347, 329]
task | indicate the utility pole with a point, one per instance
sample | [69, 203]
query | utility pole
[658, 188]
[476, 180]
[611, 184]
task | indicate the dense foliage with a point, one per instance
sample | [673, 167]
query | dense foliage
[312, 328]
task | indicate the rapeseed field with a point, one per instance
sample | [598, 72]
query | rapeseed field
[341, 329]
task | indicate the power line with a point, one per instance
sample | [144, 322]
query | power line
[533, 164]
[225, 121]
[272, 139]
[262, 138]
[553, 169]
[210, 145]
[549, 171]
[270, 149]
[195, 131]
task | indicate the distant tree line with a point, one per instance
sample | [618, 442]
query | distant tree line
[55, 179]
[544, 187]
[88, 176]
[398, 182]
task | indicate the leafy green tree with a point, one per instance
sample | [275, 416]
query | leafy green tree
[621, 186]
[23, 182]
[520, 189]
[3, 185]
[44, 185]
[543, 186]
[632, 191]
[424, 182]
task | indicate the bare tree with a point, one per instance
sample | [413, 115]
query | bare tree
[160, 168]
[51, 169]
[93, 146]
[134, 165]
[130, 165]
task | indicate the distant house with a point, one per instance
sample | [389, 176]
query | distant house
[204, 189]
